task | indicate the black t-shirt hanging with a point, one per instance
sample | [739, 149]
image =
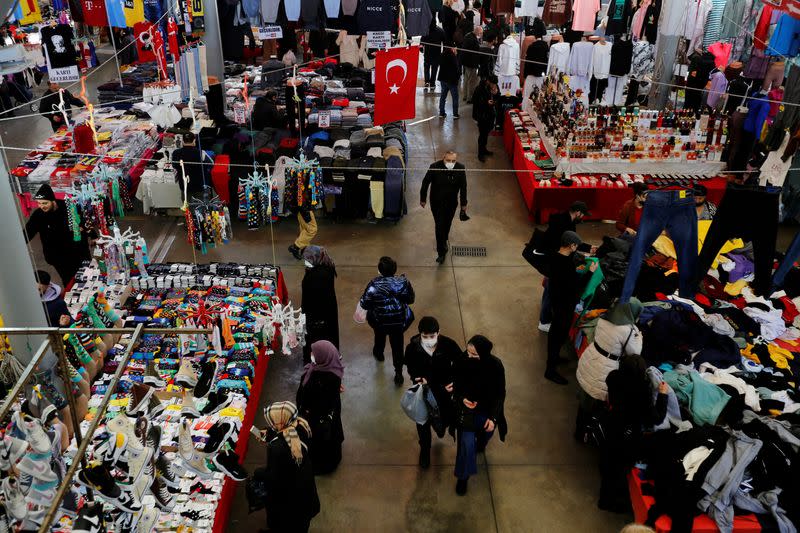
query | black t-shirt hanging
[650, 25]
[58, 42]
[619, 17]
[621, 56]
[374, 15]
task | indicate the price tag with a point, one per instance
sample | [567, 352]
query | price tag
[379, 39]
[272, 31]
[324, 119]
[239, 115]
[64, 74]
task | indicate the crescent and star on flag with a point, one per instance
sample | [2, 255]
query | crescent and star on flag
[399, 63]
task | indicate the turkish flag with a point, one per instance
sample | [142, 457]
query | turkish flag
[396, 84]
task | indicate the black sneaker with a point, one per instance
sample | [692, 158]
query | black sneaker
[90, 519]
[461, 486]
[208, 369]
[456, 117]
[295, 251]
[97, 477]
[164, 472]
[398, 378]
[217, 401]
[424, 458]
[228, 463]
[442, 115]
[164, 500]
[378, 356]
[218, 435]
[555, 377]
[440, 258]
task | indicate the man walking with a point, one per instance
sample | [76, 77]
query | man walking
[50, 102]
[471, 60]
[566, 282]
[483, 111]
[447, 180]
[449, 74]
[430, 357]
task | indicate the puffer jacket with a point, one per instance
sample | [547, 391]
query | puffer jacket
[386, 301]
[594, 367]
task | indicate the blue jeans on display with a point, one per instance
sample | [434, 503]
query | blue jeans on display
[546, 314]
[675, 212]
[452, 88]
[467, 449]
[788, 262]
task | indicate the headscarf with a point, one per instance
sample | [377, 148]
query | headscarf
[318, 256]
[482, 345]
[282, 418]
[625, 314]
[326, 359]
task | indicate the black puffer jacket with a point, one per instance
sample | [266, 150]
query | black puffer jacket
[386, 300]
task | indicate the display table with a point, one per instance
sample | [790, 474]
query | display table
[641, 166]
[702, 524]
[229, 486]
[604, 201]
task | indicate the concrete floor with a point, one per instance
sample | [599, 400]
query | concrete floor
[540, 479]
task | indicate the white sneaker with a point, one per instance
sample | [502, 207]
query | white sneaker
[34, 432]
[15, 501]
[544, 327]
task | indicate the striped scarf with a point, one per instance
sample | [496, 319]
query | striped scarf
[282, 418]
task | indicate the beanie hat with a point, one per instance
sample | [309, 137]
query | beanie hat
[45, 192]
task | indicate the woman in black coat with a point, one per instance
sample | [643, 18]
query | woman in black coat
[319, 299]
[319, 401]
[479, 392]
[292, 499]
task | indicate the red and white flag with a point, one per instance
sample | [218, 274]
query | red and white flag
[396, 84]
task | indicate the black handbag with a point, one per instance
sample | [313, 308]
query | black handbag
[256, 490]
[535, 255]
[466, 419]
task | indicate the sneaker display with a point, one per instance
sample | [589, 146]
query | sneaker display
[188, 409]
[34, 433]
[90, 519]
[164, 500]
[152, 377]
[154, 439]
[97, 477]
[147, 520]
[140, 461]
[228, 463]
[186, 376]
[185, 444]
[139, 400]
[154, 407]
[163, 469]
[218, 435]
[14, 499]
[41, 408]
[4, 520]
[217, 401]
[197, 464]
[37, 465]
[42, 496]
[208, 369]
[110, 452]
[11, 451]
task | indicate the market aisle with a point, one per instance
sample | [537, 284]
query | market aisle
[540, 479]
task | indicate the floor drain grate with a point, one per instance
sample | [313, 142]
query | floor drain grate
[469, 251]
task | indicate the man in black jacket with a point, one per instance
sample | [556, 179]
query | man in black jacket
[196, 168]
[266, 113]
[557, 225]
[48, 106]
[483, 111]
[447, 180]
[565, 285]
[51, 223]
[449, 74]
[430, 358]
[432, 53]
[471, 59]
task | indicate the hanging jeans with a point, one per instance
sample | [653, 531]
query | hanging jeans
[731, 221]
[788, 262]
[675, 212]
[469, 444]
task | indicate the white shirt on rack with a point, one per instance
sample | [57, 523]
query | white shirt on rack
[559, 58]
[580, 59]
[507, 58]
[601, 60]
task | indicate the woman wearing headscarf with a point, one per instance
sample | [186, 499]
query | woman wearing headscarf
[616, 334]
[292, 499]
[479, 392]
[319, 299]
[632, 411]
[319, 402]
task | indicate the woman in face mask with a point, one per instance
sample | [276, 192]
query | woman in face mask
[479, 392]
[319, 299]
[430, 357]
[319, 402]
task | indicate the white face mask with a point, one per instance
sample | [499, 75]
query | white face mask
[308, 265]
[313, 360]
[429, 344]
[450, 165]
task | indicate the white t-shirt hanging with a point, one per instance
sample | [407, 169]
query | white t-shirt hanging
[774, 169]
[528, 8]
[508, 85]
[601, 60]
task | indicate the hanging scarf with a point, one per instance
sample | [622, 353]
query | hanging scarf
[282, 418]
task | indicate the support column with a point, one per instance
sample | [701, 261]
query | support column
[20, 303]
[213, 41]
